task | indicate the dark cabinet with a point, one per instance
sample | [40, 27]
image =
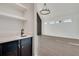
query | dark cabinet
[22, 47]
[0, 50]
[26, 47]
[10, 48]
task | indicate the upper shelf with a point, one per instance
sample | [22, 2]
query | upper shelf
[13, 10]
[12, 16]
[21, 6]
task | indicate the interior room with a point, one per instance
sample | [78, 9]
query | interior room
[59, 31]
[39, 29]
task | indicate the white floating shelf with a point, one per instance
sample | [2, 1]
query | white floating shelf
[18, 9]
[12, 16]
[17, 6]
[21, 6]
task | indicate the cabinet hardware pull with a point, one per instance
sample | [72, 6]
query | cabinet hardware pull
[19, 45]
[22, 46]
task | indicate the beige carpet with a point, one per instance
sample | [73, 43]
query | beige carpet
[56, 46]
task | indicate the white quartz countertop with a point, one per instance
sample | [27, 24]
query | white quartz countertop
[7, 39]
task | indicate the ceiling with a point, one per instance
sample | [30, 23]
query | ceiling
[59, 10]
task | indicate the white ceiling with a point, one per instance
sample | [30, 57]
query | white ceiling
[59, 10]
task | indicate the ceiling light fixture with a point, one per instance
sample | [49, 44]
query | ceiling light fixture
[45, 10]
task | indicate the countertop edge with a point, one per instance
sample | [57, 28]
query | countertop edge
[14, 39]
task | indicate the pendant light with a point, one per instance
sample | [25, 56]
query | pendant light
[45, 10]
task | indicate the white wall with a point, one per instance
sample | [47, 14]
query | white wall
[29, 15]
[68, 28]
[9, 27]
[60, 11]
[13, 26]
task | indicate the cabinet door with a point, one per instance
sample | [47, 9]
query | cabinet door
[0, 50]
[26, 47]
[10, 48]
